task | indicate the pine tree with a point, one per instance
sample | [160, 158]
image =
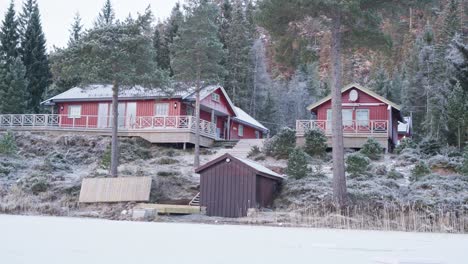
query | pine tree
[162, 50]
[107, 15]
[75, 30]
[380, 83]
[458, 114]
[9, 37]
[198, 53]
[127, 61]
[13, 85]
[35, 60]
[269, 113]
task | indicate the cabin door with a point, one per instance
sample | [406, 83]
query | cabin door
[103, 114]
[131, 114]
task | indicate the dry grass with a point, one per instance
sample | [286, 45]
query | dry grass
[403, 218]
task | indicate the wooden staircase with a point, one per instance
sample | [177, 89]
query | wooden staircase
[195, 200]
[242, 148]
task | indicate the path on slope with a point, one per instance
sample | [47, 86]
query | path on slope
[242, 148]
[50, 240]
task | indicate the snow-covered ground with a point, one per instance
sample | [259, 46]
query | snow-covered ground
[28, 239]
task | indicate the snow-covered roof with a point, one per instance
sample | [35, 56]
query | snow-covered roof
[258, 167]
[245, 118]
[406, 126]
[104, 92]
[209, 90]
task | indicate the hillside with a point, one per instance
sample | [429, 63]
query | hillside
[44, 178]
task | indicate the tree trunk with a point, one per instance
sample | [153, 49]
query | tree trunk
[196, 161]
[339, 177]
[115, 127]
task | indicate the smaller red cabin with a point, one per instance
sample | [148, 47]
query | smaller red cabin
[365, 114]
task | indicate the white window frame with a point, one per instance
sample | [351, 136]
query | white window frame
[240, 130]
[363, 122]
[346, 122]
[215, 97]
[167, 105]
[74, 111]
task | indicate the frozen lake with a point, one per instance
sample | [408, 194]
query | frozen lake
[49, 240]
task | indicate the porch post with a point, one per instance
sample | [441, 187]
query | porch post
[228, 127]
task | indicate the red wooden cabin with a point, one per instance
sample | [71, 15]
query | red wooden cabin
[156, 115]
[365, 114]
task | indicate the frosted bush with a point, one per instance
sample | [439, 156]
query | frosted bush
[394, 174]
[282, 144]
[405, 143]
[372, 149]
[8, 144]
[420, 170]
[297, 164]
[315, 143]
[356, 164]
[429, 147]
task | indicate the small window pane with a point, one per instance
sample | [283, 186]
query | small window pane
[74, 111]
[215, 97]
[241, 131]
[162, 109]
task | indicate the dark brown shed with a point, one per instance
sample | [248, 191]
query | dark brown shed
[229, 186]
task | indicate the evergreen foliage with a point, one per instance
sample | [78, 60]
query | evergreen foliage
[464, 166]
[8, 144]
[9, 36]
[13, 88]
[282, 144]
[297, 164]
[405, 143]
[420, 170]
[75, 30]
[315, 143]
[106, 16]
[430, 147]
[372, 149]
[35, 59]
[357, 164]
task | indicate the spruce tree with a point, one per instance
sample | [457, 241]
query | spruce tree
[35, 60]
[198, 53]
[9, 37]
[13, 85]
[171, 31]
[162, 50]
[106, 16]
[458, 115]
[381, 83]
[75, 30]
[25, 16]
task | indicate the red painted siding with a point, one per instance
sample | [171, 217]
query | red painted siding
[221, 106]
[375, 112]
[249, 132]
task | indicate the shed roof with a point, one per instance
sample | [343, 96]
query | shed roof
[359, 87]
[258, 168]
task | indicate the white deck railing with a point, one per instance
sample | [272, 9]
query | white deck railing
[349, 126]
[93, 122]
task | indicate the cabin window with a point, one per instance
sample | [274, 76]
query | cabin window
[240, 131]
[74, 111]
[215, 97]
[347, 116]
[362, 117]
[162, 109]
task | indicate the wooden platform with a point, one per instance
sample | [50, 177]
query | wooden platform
[122, 189]
[172, 209]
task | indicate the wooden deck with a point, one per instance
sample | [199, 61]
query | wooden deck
[156, 129]
[172, 209]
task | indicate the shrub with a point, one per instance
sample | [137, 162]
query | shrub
[106, 158]
[464, 166]
[167, 161]
[405, 143]
[282, 144]
[420, 169]
[254, 151]
[315, 143]
[429, 147]
[357, 164]
[297, 164]
[8, 144]
[394, 174]
[167, 173]
[372, 149]
[380, 170]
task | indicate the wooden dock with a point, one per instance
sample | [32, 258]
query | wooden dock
[172, 209]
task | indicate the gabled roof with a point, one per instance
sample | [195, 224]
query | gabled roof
[205, 92]
[243, 117]
[258, 168]
[359, 87]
